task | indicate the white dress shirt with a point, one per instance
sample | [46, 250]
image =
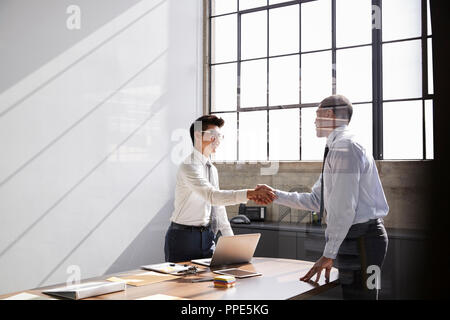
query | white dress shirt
[194, 195]
[352, 190]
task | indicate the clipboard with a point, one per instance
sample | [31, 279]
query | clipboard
[168, 267]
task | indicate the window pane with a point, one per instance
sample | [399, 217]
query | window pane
[224, 39]
[254, 35]
[227, 151]
[312, 147]
[430, 67]
[247, 4]
[316, 25]
[277, 1]
[223, 87]
[223, 6]
[402, 70]
[284, 82]
[253, 135]
[316, 77]
[401, 19]
[354, 73]
[283, 30]
[402, 130]
[284, 134]
[361, 125]
[429, 27]
[353, 22]
[429, 129]
[254, 83]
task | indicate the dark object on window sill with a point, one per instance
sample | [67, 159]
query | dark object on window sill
[240, 219]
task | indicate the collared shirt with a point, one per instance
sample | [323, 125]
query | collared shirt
[352, 190]
[195, 194]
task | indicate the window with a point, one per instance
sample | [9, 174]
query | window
[284, 135]
[253, 135]
[407, 80]
[402, 129]
[272, 61]
[402, 70]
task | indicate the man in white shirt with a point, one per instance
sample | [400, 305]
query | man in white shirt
[199, 203]
[349, 190]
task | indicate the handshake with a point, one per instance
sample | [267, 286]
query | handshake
[262, 194]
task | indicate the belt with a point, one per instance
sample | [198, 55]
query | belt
[371, 221]
[376, 220]
[178, 226]
[361, 229]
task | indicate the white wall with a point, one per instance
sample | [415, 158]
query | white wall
[86, 171]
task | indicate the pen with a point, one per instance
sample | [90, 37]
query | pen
[202, 280]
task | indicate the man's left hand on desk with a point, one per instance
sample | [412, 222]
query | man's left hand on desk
[322, 263]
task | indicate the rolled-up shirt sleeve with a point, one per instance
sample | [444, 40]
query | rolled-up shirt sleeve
[192, 174]
[303, 201]
[342, 200]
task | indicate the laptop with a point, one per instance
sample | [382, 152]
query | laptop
[232, 250]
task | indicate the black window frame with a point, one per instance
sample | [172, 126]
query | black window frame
[377, 71]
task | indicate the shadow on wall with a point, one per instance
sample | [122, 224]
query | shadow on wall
[66, 190]
[148, 245]
[16, 64]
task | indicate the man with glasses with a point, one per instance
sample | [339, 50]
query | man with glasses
[199, 203]
[349, 191]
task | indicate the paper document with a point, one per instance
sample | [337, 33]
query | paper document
[143, 279]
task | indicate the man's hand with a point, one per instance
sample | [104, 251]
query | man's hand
[322, 263]
[261, 196]
[263, 188]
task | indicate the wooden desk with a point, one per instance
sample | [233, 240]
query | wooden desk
[279, 281]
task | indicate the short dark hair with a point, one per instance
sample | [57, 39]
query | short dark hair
[342, 107]
[207, 120]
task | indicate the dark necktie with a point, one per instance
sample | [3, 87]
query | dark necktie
[213, 214]
[208, 166]
[321, 186]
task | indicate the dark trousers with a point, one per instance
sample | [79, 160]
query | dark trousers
[365, 245]
[184, 243]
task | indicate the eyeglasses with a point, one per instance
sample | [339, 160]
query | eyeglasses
[190, 270]
[215, 134]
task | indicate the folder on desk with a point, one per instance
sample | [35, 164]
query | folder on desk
[86, 290]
